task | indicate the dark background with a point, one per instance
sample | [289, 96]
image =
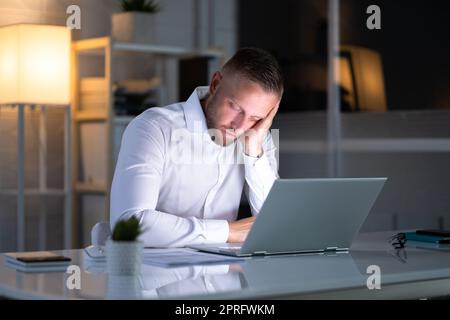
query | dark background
[414, 43]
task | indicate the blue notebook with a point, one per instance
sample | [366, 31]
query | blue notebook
[413, 236]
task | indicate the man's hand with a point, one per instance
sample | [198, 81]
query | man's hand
[254, 138]
[239, 229]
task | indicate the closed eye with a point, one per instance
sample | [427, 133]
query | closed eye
[234, 106]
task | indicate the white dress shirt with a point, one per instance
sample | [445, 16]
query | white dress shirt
[182, 195]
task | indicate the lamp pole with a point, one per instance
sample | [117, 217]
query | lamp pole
[21, 178]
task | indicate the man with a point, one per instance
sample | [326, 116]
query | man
[180, 200]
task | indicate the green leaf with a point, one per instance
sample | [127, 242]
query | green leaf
[149, 6]
[127, 230]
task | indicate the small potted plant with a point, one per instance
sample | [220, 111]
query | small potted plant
[136, 23]
[124, 250]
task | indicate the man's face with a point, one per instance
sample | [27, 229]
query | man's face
[235, 105]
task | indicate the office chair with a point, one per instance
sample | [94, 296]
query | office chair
[100, 232]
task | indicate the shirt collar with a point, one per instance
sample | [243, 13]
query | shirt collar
[193, 111]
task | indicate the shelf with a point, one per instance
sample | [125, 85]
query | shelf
[85, 187]
[90, 44]
[96, 45]
[83, 116]
[121, 120]
[34, 192]
[100, 117]
[164, 50]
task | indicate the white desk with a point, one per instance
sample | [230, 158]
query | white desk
[410, 273]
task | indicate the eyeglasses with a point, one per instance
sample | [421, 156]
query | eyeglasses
[398, 240]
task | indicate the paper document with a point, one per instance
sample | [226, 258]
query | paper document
[173, 257]
[183, 257]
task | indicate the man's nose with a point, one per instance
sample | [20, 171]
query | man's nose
[238, 123]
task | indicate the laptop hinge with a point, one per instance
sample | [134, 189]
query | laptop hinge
[260, 253]
[331, 249]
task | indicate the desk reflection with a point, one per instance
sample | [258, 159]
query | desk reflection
[256, 273]
[165, 283]
[265, 276]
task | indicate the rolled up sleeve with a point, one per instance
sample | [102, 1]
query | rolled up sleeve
[260, 174]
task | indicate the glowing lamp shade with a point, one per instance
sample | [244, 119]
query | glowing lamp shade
[34, 64]
[361, 74]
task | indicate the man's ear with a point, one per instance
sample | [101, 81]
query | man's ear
[216, 78]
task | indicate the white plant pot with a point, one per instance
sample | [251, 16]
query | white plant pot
[136, 27]
[124, 258]
[123, 287]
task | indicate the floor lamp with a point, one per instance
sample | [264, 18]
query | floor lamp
[35, 72]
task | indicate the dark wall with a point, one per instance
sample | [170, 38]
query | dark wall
[295, 32]
[413, 42]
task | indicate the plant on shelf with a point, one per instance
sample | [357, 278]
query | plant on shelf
[148, 6]
[124, 250]
[136, 22]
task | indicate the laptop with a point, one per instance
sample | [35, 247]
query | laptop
[307, 216]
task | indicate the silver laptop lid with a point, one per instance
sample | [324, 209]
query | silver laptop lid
[312, 214]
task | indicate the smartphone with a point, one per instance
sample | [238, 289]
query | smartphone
[37, 256]
[43, 259]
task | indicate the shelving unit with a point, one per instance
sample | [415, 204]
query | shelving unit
[37, 116]
[109, 49]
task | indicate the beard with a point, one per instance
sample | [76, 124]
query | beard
[218, 132]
